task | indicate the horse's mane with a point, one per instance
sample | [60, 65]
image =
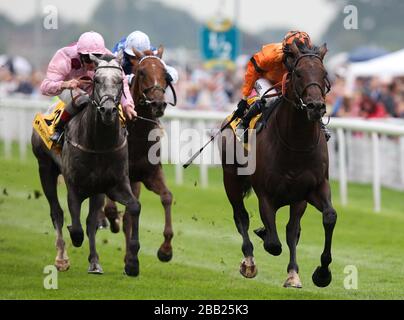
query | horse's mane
[304, 48]
[107, 57]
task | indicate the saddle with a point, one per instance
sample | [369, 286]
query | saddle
[44, 124]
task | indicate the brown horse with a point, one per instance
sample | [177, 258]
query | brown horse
[291, 166]
[148, 88]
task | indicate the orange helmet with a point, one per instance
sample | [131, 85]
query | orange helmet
[300, 36]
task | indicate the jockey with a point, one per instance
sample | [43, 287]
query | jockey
[69, 76]
[140, 41]
[265, 69]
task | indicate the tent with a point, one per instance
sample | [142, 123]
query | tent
[387, 66]
[366, 53]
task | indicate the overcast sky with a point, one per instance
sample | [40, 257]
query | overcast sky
[254, 15]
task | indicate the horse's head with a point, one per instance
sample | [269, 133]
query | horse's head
[107, 88]
[150, 83]
[309, 83]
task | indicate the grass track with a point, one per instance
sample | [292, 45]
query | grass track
[207, 247]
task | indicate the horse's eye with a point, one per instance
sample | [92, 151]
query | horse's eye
[298, 74]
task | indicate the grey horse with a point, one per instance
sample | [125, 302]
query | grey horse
[93, 162]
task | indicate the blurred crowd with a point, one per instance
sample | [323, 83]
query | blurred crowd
[201, 88]
[205, 89]
[198, 88]
[12, 83]
[371, 97]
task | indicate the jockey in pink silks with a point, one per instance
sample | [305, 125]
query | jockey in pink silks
[69, 76]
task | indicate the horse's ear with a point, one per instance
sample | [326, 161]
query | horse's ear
[160, 51]
[323, 50]
[138, 53]
[94, 59]
[119, 57]
[294, 49]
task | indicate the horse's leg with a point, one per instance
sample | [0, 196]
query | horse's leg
[49, 173]
[76, 231]
[157, 184]
[270, 237]
[127, 220]
[123, 194]
[102, 220]
[112, 214]
[321, 199]
[234, 190]
[292, 238]
[96, 203]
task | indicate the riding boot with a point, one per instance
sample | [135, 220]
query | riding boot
[59, 127]
[255, 109]
[326, 131]
[70, 110]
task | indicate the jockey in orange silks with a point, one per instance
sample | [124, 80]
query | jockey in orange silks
[69, 76]
[265, 69]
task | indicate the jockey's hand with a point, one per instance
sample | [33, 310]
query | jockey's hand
[241, 108]
[85, 82]
[130, 112]
[71, 84]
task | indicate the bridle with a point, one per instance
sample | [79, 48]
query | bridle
[144, 99]
[99, 105]
[101, 100]
[298, 95]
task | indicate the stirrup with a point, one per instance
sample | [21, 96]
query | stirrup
[57, 137]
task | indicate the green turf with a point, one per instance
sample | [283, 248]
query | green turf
[207, 247]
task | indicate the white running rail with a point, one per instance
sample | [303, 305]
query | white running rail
[364, 151]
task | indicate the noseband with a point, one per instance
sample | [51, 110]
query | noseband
[101, 100]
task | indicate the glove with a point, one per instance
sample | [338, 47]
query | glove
[241, 108]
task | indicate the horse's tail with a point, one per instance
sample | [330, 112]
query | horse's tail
[247, 188]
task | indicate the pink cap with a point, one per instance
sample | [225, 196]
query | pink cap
[91, 42]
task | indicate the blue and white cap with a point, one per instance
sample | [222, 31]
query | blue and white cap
[138, 40]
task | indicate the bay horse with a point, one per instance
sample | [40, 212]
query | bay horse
[148, 88]
[291, 166]
[93, 162]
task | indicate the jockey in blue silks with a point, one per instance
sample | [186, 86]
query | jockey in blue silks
[141, 42]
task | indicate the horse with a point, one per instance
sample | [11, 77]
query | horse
[93, 162]
[148, 88]
[291, 166]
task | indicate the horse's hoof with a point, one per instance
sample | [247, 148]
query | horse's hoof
[274, 249]
[261, 232]
[77, 236]
[95, 268]
[114, 225]
[248, 269]
[62, 264]
[163, 256]
[132, 270]
[322, 277]
[112, 215]
[293, 280]
[102, 224]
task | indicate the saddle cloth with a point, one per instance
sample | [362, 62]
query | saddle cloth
[44, 124]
